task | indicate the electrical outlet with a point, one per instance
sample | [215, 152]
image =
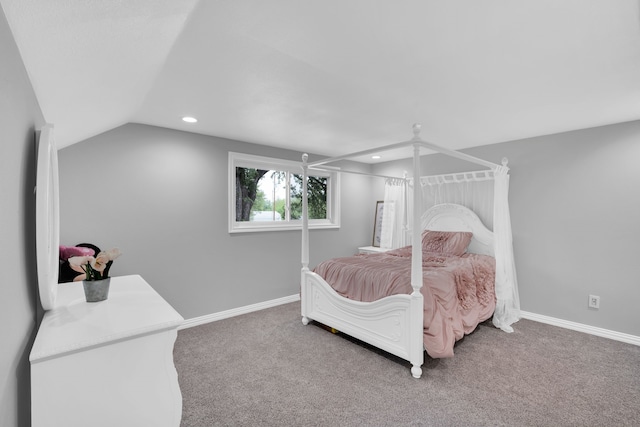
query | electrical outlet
[594, 301]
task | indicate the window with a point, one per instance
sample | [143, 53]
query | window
[266, 194]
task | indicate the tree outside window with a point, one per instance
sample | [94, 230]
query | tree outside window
[259, 191]
[267, 195]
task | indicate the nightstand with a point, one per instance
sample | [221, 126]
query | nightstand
[371, 250]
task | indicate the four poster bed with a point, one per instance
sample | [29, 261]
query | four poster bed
[380, 298]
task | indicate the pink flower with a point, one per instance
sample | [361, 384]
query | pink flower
[103, 258]
[113, 253]
[79, 261]
[93, 267]
[100, 263]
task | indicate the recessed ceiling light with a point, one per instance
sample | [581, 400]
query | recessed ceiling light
[375, 157]
[189, 119]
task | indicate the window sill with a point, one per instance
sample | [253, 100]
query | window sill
[254, 228]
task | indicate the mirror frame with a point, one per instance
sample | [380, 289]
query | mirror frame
[47, 218]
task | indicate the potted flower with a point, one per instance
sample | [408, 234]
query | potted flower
[95, 280]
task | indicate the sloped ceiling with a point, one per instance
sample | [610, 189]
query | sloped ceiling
[332, 76]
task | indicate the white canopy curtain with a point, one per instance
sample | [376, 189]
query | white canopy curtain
[473, 190]
[393, 233]
[484, 192]
[508, 300]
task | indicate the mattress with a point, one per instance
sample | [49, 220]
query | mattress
[458, 291]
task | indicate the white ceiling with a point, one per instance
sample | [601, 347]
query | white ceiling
[332, 76]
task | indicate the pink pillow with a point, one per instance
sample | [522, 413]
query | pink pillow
[446, 242]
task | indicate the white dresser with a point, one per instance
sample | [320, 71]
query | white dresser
[108, 363]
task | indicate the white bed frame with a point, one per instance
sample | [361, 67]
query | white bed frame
[395, 323]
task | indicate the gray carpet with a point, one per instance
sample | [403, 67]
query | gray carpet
[267, 369]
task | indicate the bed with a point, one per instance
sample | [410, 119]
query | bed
[371, 298]
[396, 323]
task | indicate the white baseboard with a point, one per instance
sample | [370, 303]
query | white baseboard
[605, 333]
[600, 332]
[196, 321]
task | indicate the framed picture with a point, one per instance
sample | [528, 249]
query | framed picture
[377, 224]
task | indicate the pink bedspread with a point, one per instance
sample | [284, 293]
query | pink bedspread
[458, 291]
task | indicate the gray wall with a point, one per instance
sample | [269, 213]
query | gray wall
[20, 115]
[575, 206]
[161, 197]
[573, 198]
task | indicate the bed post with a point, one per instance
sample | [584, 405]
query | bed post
[305, 239]
[416, 331]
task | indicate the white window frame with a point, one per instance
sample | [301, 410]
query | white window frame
[260, 162]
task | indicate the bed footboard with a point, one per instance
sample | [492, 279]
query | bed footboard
[393, 324]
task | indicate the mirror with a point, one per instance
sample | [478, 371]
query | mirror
[47, 218]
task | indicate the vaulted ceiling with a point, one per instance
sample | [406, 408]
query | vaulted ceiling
[332, 76]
